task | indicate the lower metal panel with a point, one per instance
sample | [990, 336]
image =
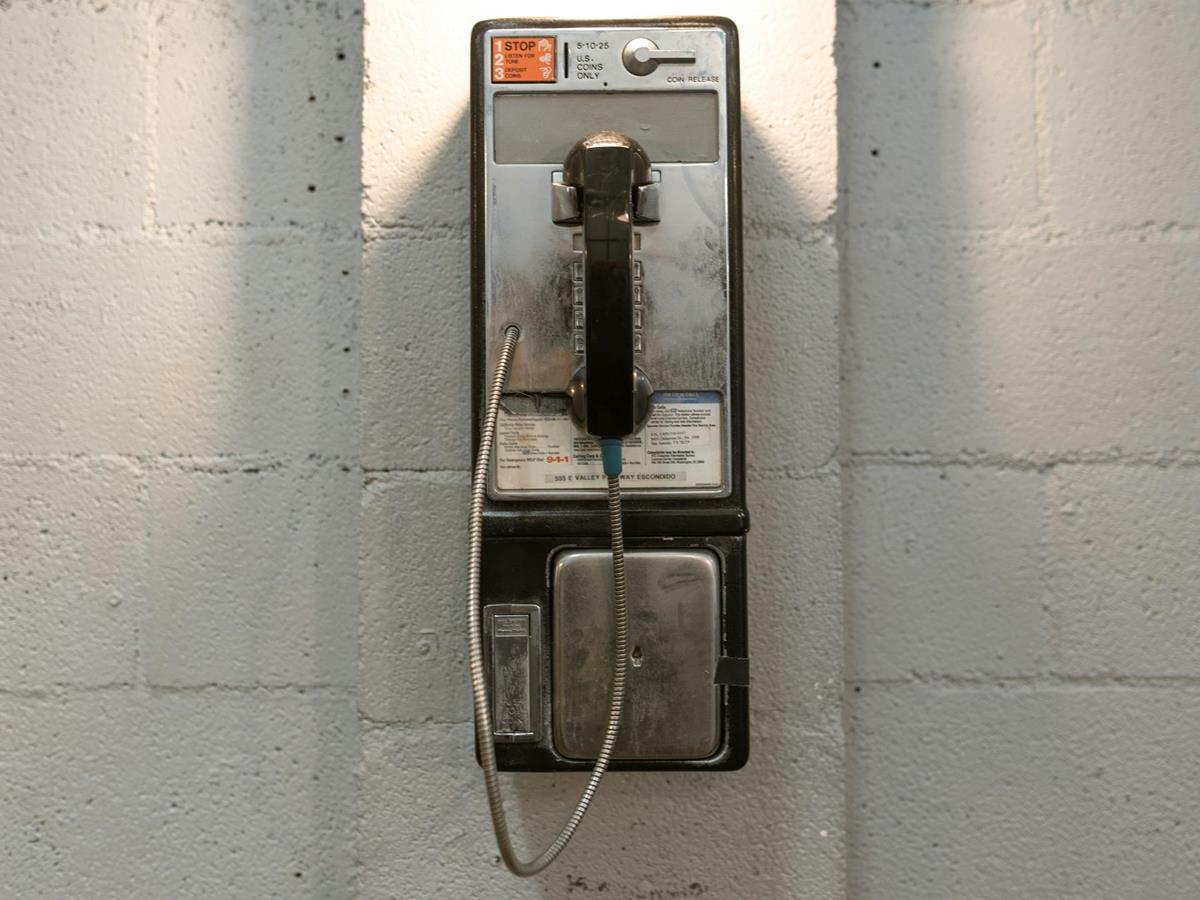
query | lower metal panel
[520, 570]
[671, 704]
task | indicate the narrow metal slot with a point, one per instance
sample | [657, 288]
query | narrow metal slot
[513, 638]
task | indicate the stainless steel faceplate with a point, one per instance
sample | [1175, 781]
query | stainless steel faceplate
[671, 704]
[684, 258]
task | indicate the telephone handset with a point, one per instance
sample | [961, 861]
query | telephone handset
[606, 336]
[608, 188]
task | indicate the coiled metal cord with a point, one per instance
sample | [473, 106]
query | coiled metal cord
[483, 713]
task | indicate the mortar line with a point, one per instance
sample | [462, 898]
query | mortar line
[1049, 639]
[413, 470]
[832, 467]
[215, 464]
[375, 723]
[142, 609]
[807, 232]
[1151, 232]
[206, 233]
[1031, 462]
[66, 690]
[927, 4]
[1044, 681]
[1041, 148]
[153, 59]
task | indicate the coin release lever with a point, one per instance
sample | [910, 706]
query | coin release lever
[641, 56]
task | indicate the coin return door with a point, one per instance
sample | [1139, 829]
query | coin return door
[671, 701]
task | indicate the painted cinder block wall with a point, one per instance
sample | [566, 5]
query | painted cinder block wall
[1020, 242]
[774, 829]
[179, 453]
[233, 460]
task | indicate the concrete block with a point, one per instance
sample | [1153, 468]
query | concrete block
[74, 116]
[1120, 112]
[119, 794]
[791, 353]
[178, 348]
[1019, 348]
[789, 112]
[416, 144]
[253, 576]
[935, 106]
[772, 829]
[1124, 562]
[1075, 794]
[945, 572]
[795, 602]
[416, 363]
[72, 573]
[259, 112]
[413, 652]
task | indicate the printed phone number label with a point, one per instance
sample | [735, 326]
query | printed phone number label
[680, 447]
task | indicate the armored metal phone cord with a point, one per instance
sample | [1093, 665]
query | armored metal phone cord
[483, 714]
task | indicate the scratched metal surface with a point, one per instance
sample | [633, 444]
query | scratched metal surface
[685, 257]
[671, 702]
[684, 281]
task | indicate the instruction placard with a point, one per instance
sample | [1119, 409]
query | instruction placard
[538, 448]
[526, 59]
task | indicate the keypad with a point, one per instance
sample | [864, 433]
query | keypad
[577, 301]
[639, 308]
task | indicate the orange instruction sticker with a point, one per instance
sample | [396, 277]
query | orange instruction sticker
[523, 59]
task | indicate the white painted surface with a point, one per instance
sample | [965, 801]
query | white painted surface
[179, 475]
[1022, 432]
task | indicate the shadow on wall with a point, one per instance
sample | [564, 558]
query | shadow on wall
[937, 146]
[253, 532]
[942, 327]
[760, 832]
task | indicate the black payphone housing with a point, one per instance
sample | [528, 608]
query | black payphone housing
[544, 548]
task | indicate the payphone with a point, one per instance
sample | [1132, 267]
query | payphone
[607, 365]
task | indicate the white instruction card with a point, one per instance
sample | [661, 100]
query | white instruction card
[538, 448]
